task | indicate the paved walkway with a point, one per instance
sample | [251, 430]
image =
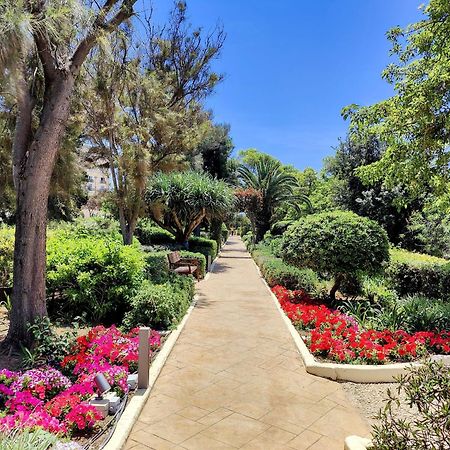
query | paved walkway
[235, 380]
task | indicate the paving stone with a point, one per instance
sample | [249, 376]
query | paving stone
[235, 379]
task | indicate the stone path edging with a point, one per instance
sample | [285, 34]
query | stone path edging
[357, 373]
[134, 408]
[356, 443]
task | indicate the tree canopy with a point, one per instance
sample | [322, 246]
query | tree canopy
[179, 201]
[415, 122]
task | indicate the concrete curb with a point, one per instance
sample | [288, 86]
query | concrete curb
[357, 373]
[134, 408]
[356, 443]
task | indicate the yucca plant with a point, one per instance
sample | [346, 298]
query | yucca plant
[274, 186]
[179, 201]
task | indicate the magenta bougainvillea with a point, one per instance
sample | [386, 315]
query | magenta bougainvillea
[337, 336]
[57, 399]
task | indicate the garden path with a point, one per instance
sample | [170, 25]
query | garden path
[235, 379]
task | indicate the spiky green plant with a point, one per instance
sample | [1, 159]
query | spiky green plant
[179, 201]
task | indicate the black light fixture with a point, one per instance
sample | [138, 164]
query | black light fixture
[102, 385]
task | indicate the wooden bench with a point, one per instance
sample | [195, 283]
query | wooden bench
[184, 266]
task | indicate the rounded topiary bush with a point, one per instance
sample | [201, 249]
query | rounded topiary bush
[339, 243]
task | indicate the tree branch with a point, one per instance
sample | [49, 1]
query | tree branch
[22, 133]
[85, 46]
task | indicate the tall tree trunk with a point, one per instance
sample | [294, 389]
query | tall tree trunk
[36, 160]
[262, 227]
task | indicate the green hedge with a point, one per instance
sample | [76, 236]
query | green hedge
[207, 247]
[153, 235]
[414, 273]
[275, 271]
[6, 256]
[160, 306]
[94, 275]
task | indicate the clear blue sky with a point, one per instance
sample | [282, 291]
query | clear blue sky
[291, 65]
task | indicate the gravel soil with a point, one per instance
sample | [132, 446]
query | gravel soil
[370, 398]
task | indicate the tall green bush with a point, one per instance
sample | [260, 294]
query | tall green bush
[339, 243]
[92, 275]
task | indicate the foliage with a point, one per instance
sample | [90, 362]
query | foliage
[6, 255]
[427, 390]
[401, 256]
[161, 306]
[156, 267]
[28, 440]
[179, 201]
[338, 243]
[336, 336]
[428, 231]
[49, 347]
[375, 201]
[215, 149]
[207, 247]
[422, 313]
[378, 289]
[276, 272]
[269, 186]
[142, 102]
[149, 234]
[412, 273]
[92, 275]
[414, 121]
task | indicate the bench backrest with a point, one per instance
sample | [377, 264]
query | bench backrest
[173, 257]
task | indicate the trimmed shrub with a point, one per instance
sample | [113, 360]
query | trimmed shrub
[204, 246]
[160, 306]
[415, 273]
[277, 272]
[153, 235]
[92, 275]
[6, 256]
[340, 243]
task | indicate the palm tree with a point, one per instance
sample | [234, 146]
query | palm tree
[274, 187]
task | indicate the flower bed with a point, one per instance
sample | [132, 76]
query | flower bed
[337, 337]
[56, 399]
